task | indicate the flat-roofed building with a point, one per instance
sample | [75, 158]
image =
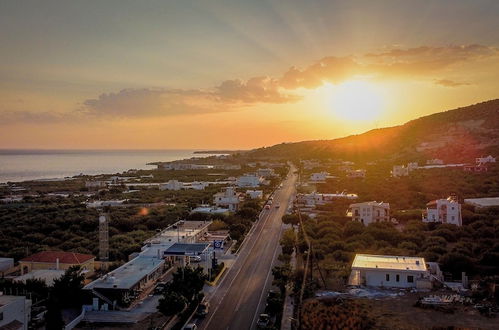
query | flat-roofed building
[58, 260]
[389, 271]
[15, 312]
[483, 202]
[369, 212]
[227, 198]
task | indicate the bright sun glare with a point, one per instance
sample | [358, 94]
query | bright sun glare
[355, 100]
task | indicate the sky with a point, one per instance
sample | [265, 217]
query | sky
[125, 74]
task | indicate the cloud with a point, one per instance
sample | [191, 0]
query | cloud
[450, 83]
[149, 102]
[254, 90]
[409, 63]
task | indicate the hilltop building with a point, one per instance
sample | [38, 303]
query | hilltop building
[443, 211]
[319, 177]
[434, 161]
[483, 160]
[265, 172]
[369, 212]
[356, 174]
[390, 271]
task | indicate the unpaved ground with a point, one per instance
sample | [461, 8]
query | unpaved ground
[400, 313]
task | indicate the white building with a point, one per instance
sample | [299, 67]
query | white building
[399, 170]
[249, 180]
[227, 198]
[356, 173]
[96, 184]
[434, 161]
[314, 199]
[265, 172]
[15, 312]
[412, 166]
[96, 204]
[319, 177]
[390, 271]
[369, 212]
[171, 185]
[443, 211]
[483, 160]
[254, 194]
[210, 210]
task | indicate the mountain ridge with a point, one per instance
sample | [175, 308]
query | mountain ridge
[455, 135]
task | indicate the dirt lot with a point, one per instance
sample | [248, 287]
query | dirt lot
[400, 313]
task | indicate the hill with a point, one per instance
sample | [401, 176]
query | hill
[455, 136]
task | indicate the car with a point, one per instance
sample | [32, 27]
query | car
[195, 259]
[263, 321]
[277, 205]
[159, 288]
[191, 326]
[267, 207]
[203, 309]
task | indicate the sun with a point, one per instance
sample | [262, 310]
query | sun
[355, 100]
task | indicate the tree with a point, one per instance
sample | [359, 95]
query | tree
[188, 282]
[171, 303]
[53, 318]
[67, 290]
[290, 219]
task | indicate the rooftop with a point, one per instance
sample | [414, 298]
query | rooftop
[483, 202]
[46, 275]
[5, 299]
[128, 275]
[373, 203]
[180, 230]
[369, 261]
[64, 257]
[184, 249]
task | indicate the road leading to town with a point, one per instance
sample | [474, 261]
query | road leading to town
[240, 297]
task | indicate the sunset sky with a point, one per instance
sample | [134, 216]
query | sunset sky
[235, 74]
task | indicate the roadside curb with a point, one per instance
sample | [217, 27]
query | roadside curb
[215, 281]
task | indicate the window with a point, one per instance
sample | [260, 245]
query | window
[387, 277]
[1, 316]
[410, 279]
[397, 278]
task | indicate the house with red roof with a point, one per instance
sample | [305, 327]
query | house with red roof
[57, 260]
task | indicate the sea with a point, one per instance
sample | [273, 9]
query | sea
[24, 165]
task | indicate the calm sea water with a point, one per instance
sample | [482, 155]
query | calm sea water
[22, 165]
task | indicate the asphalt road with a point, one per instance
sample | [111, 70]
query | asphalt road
[241, 295]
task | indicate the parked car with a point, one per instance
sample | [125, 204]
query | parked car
[263, 321]
[195, 259]
[277, 205]
[203, 309]
[191, 326]
[267, 207]
[159, 288]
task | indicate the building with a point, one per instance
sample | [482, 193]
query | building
[171, 185]
[97, 204]
[314, 199]
[412, 166]
[483, 160]
[475, 168]
[356, 174]
[399, 170]
[5, 265]
[443, 211]
[249, 181]
[46, 275]
[227, 198]
[95, 184]
[319, 177]
[57, 260]
[15, 312]
[210, 210]
[483, 202]
[265, 172]
[434, 161]
[124, 284]
[369, 212]
[254, 194]
[390, 271]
